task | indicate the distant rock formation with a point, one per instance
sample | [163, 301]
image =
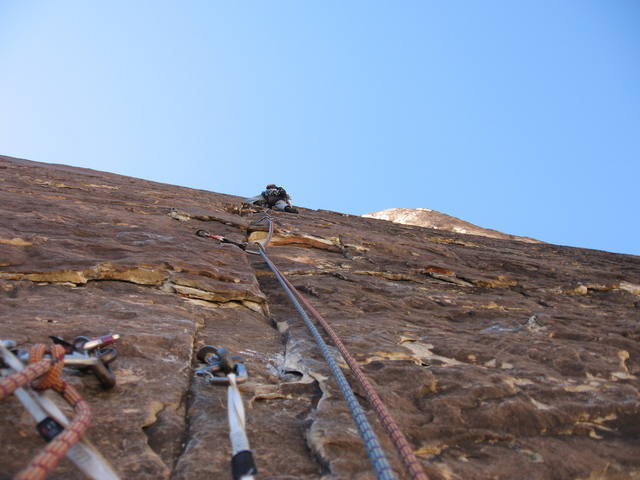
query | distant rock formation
[424, 217]
[498, 359]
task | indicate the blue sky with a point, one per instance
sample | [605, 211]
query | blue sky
[522, 116]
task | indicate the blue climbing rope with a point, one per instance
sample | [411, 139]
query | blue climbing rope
[376, 455]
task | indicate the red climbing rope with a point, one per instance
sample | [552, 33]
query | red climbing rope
[48, 372]
[19, 379]
[399, 440]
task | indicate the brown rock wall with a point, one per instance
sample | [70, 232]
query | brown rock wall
[499, 359]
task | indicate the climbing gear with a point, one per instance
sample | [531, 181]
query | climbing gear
[372, 445]
[219, 364]
[224, 369]
[205, 234]
[64, 437]
[399, 440]
[269, 219]
[91, 353]
[100, 342]
[87, 354]
[376, 455]
[265, 217]
[220, 238]
[403, 447]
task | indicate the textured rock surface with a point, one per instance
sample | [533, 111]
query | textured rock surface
[424, 217]
[499, 359]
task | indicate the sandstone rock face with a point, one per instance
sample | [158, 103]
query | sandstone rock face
[424, 217]
[499, 359]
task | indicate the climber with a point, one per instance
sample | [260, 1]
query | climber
[273, 197]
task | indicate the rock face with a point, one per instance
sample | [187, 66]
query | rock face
[499, 359]
[424, 217]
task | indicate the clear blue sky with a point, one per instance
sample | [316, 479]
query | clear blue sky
[522, 116]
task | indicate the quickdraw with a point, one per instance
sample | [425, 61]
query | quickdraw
[224, 369]
[220, 238]
[266, 217]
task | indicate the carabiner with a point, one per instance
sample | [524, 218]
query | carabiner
[220, 364]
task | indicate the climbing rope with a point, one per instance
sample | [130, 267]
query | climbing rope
[402, 445]
[52, 423]
[220, 370]
[376, 455]
[48, 372]
[242, 464]
[11, 383]
[399, 440]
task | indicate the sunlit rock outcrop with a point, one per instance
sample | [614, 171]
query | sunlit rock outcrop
[424, 217]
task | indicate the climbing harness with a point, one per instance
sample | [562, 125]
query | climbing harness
[223, 369]
[64, 436]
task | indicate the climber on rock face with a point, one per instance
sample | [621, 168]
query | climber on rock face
[273, 197]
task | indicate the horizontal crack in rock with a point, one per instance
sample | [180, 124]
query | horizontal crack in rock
[388, 275]
[16, 242]
[583, 289]
[146, 276]
[295, 239]
[139, 274]
[239, 295]
[227, 219]
[452, 241]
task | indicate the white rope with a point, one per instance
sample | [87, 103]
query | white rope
[237, 421]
